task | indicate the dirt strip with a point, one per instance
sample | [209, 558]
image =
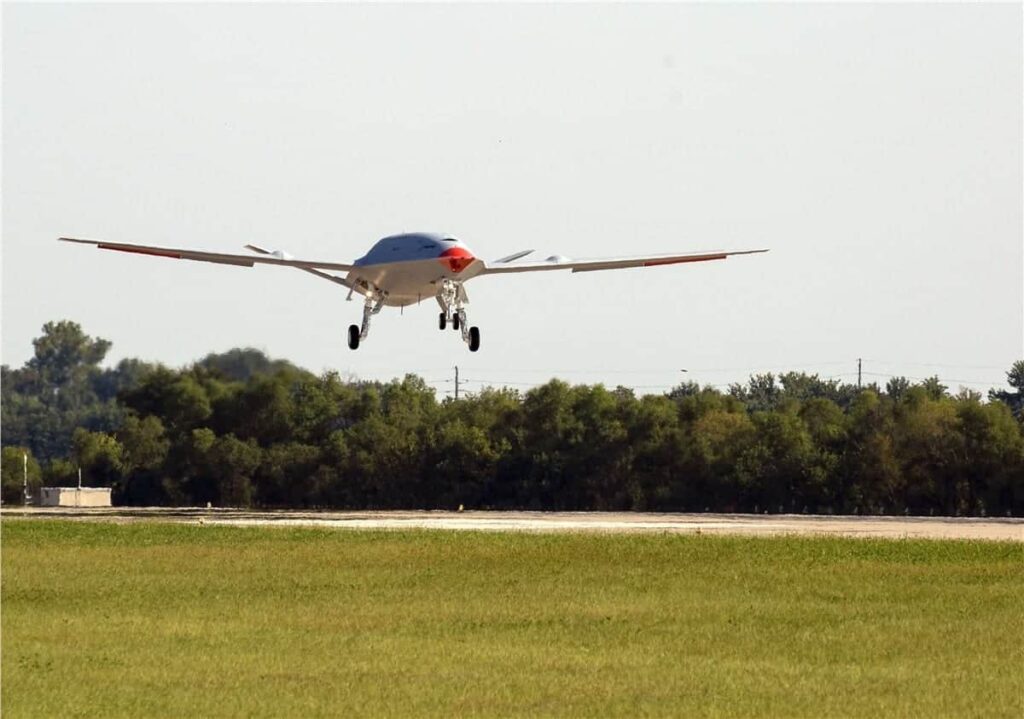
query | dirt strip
[752, 524]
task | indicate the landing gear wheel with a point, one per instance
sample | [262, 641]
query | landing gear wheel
[474, 339]
[353, 337]
[442, 321]
[455, 322]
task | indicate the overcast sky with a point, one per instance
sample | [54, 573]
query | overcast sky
[876, 149]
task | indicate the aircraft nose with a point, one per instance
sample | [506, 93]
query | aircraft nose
[456, 258]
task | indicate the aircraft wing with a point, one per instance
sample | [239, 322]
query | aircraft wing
[215, 257]
[610, 263]
[327, 276]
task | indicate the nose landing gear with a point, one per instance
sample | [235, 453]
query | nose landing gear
[451, 295]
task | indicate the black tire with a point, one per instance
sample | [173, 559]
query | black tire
[474, 339]
[353, 337]
[442, 321]
[456, 323]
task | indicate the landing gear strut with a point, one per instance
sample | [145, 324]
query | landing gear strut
[373, 304]
[451, 295]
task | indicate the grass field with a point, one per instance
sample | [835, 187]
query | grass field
[185, 620]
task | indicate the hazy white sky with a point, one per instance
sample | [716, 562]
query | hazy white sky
[877, 149]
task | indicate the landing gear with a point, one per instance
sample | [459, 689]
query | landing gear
[451, 295]
[373, 304]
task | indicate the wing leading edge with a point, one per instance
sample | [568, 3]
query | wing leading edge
[612, 263]
[219, 258]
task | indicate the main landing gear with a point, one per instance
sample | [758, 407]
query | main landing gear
[442, 321]
[373, 304]
[452, 298]
[451, 295]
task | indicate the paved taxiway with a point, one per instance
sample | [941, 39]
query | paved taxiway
[749, 524]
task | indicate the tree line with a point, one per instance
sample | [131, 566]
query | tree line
[240, 429]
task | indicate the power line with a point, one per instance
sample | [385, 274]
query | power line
[656, 370]
[931, 364]
[941, 379]
[700, 370]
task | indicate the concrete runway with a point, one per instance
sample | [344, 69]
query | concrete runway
[748, 524]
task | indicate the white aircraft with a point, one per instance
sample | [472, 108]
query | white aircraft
[401, 270]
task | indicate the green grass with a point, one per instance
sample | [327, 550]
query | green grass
[183, 620]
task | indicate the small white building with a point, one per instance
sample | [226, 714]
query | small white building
[74, 497]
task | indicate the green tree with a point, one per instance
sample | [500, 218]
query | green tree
[145, 448]
[871, 477]
[320, 406]
[233, 463]
[60, 473]
[288, 476]
[261, 410]
[761, 394]
[65, 358]
[991, 468]
[243, 363]
[333, 483]
[224, 467]
[778, 469]
[461, 466]
[550, 431]
[658, 474]
[934, 388]
[928, 444]
[600, 457]
[383, 463]
[127, 375]
[144, 443]
[1015, 399]
[44, 401]
[179, 399]
[827, 427]
[720, 438]
[896, 388]
[100, 457]
[12, 471]
[804, 387]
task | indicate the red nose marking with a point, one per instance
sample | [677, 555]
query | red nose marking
[457, 258]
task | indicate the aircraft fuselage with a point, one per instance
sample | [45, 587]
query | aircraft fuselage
[410, 267]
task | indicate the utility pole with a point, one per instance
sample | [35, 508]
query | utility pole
[24, 476]
[456, 381]
[858, 372]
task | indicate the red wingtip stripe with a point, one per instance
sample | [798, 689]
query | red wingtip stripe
[134, 250]
[655, 263]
